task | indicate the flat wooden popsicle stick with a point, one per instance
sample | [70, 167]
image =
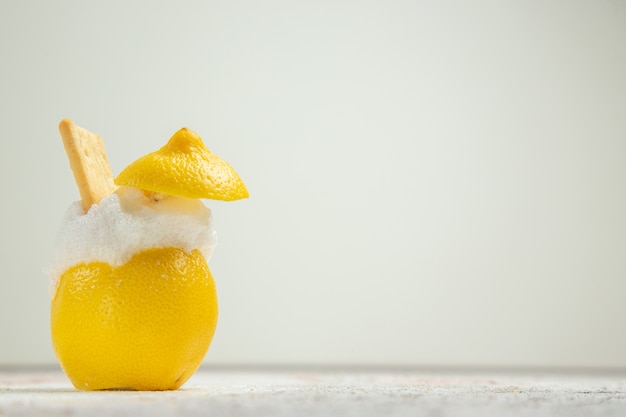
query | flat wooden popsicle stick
[88, 161]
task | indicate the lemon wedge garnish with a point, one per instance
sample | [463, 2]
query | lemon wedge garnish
[185, 167]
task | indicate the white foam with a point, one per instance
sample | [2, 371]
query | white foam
[127, 222]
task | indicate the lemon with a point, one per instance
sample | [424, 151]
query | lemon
[145, 325]
[185, 167]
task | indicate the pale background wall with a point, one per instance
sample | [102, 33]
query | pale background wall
[432, 183]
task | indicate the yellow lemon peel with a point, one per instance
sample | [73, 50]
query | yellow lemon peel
[145, 325]
[185, 167]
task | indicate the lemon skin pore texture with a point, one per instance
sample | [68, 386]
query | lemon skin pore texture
[145, 325]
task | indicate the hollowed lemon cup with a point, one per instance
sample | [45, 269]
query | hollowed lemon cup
[145, 325]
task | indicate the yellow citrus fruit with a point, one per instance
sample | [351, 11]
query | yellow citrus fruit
[145, 325]
[185, 167]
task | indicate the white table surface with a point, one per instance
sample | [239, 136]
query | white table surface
[329, 392]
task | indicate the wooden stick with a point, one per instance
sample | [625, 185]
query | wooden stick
[88, 161]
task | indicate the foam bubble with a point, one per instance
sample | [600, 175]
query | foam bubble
[126, 222]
